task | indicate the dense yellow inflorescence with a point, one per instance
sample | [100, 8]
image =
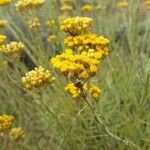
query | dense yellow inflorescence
[87, 42]
[73, 91]
[77, 25]
[34, 24]
[12, 49]
[87, 8]
[37, 78]
[2, 39]
[94, 91]
[122, 4]
[16, 133]
[4, 2]
[6, 122]
[3, 23]
[28, 4]
[75, 66]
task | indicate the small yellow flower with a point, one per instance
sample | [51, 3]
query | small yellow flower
[122, 4]
[6, 122]
[4, 2]
[37, 78]
[12, 49]
[2, 39]
[3, 23]
[34, 24]
[52, 38]
[94, 91]
[87, 8]
[16, 133]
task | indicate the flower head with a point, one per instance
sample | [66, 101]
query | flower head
[37, 78]
[94, 91]
[34, 24]
[77, 25]
[5, 122]
[16, 133]
[12, 49]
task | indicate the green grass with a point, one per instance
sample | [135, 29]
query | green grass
[124, 78]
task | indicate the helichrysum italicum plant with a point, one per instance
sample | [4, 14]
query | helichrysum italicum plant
[80, 62]
[37, 78]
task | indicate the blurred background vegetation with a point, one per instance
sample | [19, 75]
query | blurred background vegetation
[124, 78]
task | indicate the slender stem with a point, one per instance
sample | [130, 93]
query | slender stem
[105, 129]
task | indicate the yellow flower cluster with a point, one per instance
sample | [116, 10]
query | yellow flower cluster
[37, 78]
[16, 133]
[94, 91]
[77, 25]
[87, 8]
[28, 4]
[75, 66]
[122, 4]
[4, 2]
[3, 23]
[73, 91]
[87, 42]
[5, 122]
[33, 24]
[2, 39]
[13, 49]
